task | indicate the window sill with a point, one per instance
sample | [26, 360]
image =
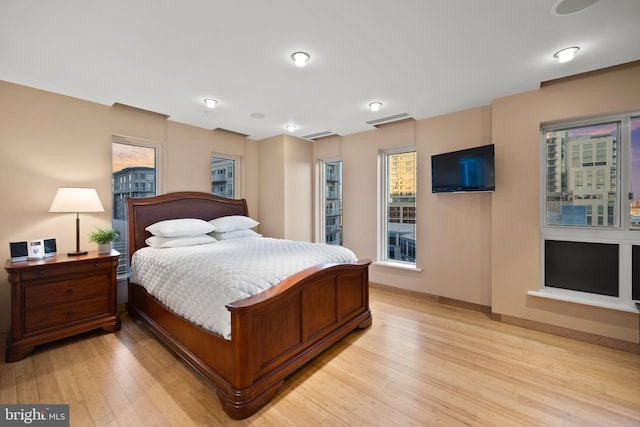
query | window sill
[600, 301]
[398, 265]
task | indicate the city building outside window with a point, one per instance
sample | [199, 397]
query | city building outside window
[225, 176]
[331, 209]
[133, 175]
[397, 240]
[570, 186]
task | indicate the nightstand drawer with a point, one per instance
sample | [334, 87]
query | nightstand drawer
[64, 314]
[47, 272]
[65, 290]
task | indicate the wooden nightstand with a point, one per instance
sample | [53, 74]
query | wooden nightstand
[58, 297]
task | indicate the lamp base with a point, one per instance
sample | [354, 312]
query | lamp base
[77, 253]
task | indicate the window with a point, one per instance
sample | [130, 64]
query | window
[601, 153]
[634, 190]
[133, 175]
[225, 176]
[587, 156]
[330, 202]
[567, 199]
[397, 241]
[575, 156]
[590, 226]
[599, 179]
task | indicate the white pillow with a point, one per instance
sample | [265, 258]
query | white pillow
[180, 227]
[235, 234]
[179, 242]
[233, 222]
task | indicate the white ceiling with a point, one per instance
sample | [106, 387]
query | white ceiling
[420, 57]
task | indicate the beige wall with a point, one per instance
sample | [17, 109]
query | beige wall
[188, 159]
[49, 140]
[479, 248]
[516, 203]
[453, 244]
[285, 173]
[271, 175]
[298, 184]
[457, 235]
[484, 248]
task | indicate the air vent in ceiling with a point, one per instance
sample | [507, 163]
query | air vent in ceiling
[318, 135]
[389, 119]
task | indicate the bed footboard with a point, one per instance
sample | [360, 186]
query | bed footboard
[279, 330]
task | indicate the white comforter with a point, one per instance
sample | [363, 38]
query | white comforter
[197, 282]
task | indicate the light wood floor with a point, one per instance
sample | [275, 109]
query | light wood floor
[420, 364]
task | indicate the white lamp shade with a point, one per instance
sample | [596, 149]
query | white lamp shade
[69, 199]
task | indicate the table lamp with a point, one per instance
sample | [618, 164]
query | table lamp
[76, 200]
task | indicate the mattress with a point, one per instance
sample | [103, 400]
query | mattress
[196, 282]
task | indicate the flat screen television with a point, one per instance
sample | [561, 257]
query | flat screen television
[472, 169]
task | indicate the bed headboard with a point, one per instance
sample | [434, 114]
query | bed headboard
[186, 204]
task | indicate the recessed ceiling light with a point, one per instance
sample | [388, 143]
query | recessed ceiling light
[300, 58]
[291, 128]
[567, 54]
[375, 106]
[211, 103]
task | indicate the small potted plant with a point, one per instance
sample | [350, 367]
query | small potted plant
[104, 237]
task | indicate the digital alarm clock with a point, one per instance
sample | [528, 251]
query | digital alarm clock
[35, 249]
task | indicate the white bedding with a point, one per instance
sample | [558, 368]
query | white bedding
[197, 282]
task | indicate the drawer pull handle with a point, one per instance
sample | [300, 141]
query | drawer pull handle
[97, 264]
[41, 272]
[70, 313]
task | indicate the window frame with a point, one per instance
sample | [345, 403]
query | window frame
[159, 161]
[321, 198]
[383, 208]
[622, 234]
[585, 181]
[238, 171]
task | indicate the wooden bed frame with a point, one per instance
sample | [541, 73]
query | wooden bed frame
[273, 333]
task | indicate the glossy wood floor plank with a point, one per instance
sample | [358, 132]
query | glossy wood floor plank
[421, 363]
